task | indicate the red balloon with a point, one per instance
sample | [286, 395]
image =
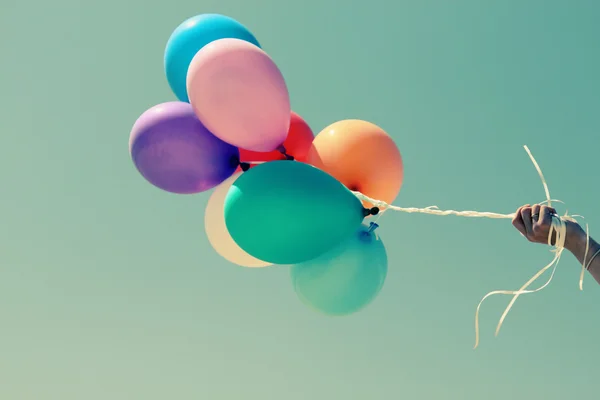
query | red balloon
[297, 144]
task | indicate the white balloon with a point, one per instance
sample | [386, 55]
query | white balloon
[216, 230]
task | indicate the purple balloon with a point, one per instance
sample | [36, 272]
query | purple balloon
[173, 150]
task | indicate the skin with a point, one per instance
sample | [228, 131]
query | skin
[534, 223]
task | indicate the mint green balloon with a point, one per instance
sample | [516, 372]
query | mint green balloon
[287, 212]
[345, 279]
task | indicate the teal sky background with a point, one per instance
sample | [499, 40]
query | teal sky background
[109, 288]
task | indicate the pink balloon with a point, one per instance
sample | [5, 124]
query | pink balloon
[239, 94]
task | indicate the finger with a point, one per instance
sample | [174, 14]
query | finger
[526, 217]
[535, 213]
[518, 222]
[545, 216]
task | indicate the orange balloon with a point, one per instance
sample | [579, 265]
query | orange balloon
[360, 155]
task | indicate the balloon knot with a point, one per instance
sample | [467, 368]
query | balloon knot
[244, 166]
[370, 211]
[367, 235]
[284, 153]
[372, 227]
[234, 161]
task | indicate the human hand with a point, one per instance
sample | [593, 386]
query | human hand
[534, 222]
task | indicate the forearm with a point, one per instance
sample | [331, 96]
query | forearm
[576, 244]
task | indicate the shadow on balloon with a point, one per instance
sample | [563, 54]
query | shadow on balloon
[347, 278]
[217, 233]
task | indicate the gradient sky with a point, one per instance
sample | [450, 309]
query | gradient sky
[110, 290]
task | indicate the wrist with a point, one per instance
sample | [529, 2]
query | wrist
[576, 238]
[577, 241]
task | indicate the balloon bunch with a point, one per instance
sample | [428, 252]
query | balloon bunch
[281, 195]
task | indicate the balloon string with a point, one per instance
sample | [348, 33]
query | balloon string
[558, 229]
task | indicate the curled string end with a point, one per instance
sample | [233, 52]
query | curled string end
[559, 228]
[539, 171]
[476, 332]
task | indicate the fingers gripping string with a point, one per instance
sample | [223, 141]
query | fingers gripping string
[558, 230]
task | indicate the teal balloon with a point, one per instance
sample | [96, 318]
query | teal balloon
[345, 279]
[287, 212]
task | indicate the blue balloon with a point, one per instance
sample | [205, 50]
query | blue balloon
[192, 35]
[345, 279]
